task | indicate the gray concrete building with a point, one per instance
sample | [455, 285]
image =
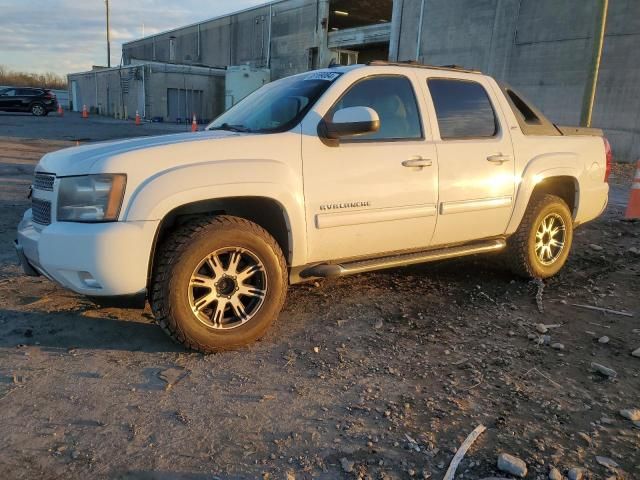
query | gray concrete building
[285, 36]
[157, 91]
[195, 68]
[544, 48]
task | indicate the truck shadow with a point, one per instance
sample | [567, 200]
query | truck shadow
[71, 330]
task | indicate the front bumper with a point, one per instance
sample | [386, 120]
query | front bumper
[97, 259]
[24, 262]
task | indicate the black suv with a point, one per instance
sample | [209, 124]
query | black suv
[38, 101]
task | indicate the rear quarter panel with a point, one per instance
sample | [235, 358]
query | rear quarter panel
[540, 157]
[582, 158]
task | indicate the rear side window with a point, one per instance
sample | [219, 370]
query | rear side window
[393, 99]
[525, 110]
[463, 109]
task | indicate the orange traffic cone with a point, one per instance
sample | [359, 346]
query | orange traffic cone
[60, 111]
[194, 124]
[633, 209]
[138, 122]
[85, 112]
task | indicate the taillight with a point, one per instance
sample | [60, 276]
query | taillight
[609, 155]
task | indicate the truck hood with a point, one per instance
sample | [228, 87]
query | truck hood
[83, 160]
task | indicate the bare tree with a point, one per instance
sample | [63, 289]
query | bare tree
[24, 79]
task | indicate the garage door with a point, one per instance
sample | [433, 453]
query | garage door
[182, 104]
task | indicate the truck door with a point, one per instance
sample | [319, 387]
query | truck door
[365, 195]
[475, 159]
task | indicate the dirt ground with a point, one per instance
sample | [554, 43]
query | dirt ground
[377, 376]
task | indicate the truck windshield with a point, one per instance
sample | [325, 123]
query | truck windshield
[276, 107]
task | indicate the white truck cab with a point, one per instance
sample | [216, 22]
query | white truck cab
[326, 173]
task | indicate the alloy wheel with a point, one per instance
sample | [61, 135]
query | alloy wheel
[227, 288]
[550, 238]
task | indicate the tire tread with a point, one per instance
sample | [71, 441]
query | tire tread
[517, 249]
[171, 249]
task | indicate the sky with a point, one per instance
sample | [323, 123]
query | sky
[64, 36]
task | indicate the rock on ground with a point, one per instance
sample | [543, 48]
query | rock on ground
[575, 474]
[607, 462]
[513, 465]
[347, 465]
[602, 370]
[554, 474]
[632, 414]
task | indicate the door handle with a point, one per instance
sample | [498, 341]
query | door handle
[417, 162]
[499, 158]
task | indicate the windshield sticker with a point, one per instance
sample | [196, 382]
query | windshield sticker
[328, 76]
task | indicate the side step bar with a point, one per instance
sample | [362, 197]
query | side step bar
[327, 270]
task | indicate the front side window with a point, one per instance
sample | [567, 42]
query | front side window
[278, 106]
[463, 109]
[394, 101]
[8, 92]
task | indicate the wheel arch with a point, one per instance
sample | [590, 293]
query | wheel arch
[562, 182]
[564, 186]
[267, 212]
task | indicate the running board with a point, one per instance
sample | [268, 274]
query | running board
[326, 270]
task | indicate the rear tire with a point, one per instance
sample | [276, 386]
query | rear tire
[38, 110]
[219, 283]
[541, 245]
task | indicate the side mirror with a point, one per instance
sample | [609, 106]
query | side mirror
[350, 122]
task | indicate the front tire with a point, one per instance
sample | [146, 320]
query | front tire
[219, 283]
[541, 245]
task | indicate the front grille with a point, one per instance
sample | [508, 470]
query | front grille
[41, 210]
[44, 181]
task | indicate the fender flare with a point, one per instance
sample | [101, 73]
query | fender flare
[159, 195]
[537, 170]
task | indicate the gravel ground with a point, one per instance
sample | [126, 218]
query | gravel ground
[377, 376]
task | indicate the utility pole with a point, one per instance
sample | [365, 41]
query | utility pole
[594, 71]
[106, 2]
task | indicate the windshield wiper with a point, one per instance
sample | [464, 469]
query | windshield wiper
[232, 128]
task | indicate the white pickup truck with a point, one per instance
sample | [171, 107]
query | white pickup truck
[327, 173]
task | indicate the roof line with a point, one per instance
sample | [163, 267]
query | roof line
[238, 12]
[149, 63]
[413, 64]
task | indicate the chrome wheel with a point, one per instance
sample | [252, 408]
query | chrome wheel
[37, 110]
[227, 288]
[550, 239]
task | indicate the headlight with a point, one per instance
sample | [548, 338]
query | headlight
[91, 198]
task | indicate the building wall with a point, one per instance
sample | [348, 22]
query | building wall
[543, 48]
[143, 88]
[212, 86]
[296, 27]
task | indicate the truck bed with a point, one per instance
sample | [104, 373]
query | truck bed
[580, 131]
